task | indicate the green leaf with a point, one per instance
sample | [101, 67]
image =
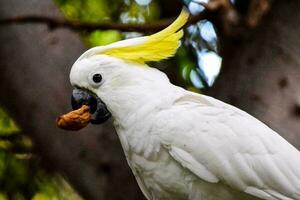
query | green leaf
[7, 125]
[98, 38]
[40, 196]
[3, 196]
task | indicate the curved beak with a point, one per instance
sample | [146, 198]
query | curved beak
[98, 109]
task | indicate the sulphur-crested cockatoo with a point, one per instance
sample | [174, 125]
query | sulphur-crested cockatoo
[179, 144]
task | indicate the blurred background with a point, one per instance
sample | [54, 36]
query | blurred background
[244, 52]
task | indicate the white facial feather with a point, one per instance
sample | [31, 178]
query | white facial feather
[125, 86]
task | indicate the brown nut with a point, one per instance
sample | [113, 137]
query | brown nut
[75, 120]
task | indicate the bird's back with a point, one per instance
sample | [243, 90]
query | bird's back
[221, 144]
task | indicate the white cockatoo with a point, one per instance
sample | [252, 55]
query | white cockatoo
[179, 144]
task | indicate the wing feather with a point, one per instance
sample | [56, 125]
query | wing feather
[193, 165]
[217, 141]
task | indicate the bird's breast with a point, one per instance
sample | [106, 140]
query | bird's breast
[161, 175]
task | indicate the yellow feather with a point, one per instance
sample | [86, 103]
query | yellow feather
[157, 47]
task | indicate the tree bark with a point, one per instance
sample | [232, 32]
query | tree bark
[261, 72]
[35, 64]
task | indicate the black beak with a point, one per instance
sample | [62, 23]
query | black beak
[98, 109]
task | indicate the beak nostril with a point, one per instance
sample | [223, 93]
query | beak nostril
[82, 97]
[98, 109]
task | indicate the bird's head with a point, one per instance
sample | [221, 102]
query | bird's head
[101, 74]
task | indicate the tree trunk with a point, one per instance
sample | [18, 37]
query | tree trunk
[261, 72]
[35, 64]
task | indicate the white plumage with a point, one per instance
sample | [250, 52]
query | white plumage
[221, 144]
[183, 145]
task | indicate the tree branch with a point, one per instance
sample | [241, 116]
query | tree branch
[86, 26]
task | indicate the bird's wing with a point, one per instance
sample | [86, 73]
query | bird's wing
[218, 142]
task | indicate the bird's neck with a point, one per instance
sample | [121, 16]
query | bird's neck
[135, 112]
[137, 92]
[138, 95]
[139, 102]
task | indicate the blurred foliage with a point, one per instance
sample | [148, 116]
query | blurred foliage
[7, 126]
[105, 11]
[21, 176]
[195, 69]
[191, 61]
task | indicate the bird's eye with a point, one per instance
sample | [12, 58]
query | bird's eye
[97, 78]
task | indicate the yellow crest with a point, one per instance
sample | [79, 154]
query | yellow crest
[156, 47]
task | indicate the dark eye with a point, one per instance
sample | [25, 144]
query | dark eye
[97, 78]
